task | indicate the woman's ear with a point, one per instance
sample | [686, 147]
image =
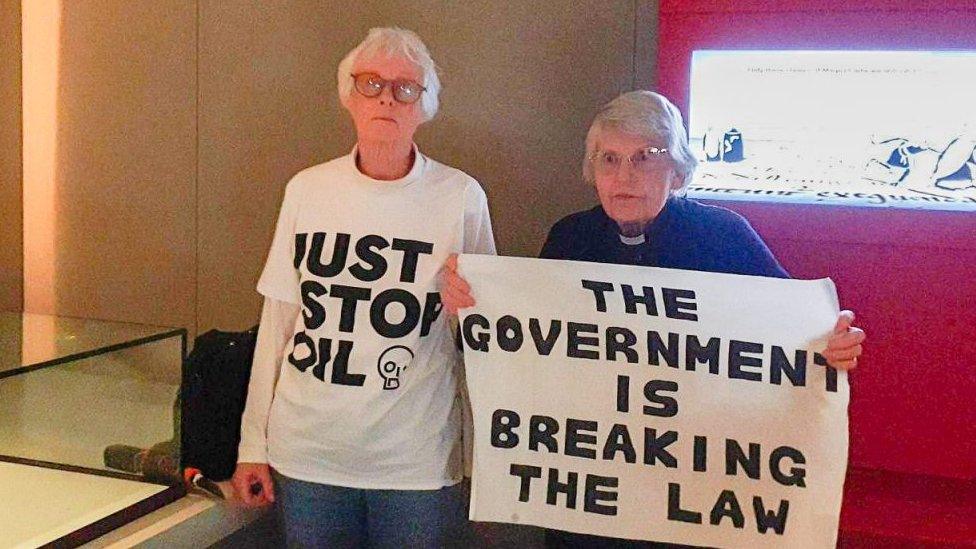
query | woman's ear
[675, 181]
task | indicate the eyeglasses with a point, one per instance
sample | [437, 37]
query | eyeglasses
[644, 160]
[370, 84]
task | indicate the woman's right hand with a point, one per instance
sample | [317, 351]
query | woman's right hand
[455, 291]
[253, 485]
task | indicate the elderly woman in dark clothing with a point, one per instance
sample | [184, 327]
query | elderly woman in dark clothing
[637, 157]
[639, 161]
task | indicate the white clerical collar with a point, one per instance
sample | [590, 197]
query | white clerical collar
[632, 240]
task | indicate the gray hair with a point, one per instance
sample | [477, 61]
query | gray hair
[649, 115]
[394, 42]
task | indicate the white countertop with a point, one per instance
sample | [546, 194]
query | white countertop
[39, 505]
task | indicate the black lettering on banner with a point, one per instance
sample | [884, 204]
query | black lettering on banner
[666, 406]
[575, 340]
[432, 310]
[655, 448]
[411, 251]
[541, 431]
[476, 342]
[700, 456]
[735, 459]
[301, 338]
[338, 261]
[675, 308]
[526, 473]
[621, 340]
[631, 299]
[779, 365]
[544, 344]
[738, 360]
[619, 441]
[554, 488]
[675, 512]
[594, 495]
[766, 520]
[510, 336]
[350, 296]
[503, 424]
[574, 438]
[313, 313]
[695, 352]
[656, 348]
[376, 263]
[831, 381]
[301, 242]
[599, 289]
[623, 393]
[796, 475]
[727, 506]
[377, 313]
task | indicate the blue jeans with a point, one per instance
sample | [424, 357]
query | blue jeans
[321, 515]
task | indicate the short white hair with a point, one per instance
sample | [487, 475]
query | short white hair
[394, 42]
[648, 115]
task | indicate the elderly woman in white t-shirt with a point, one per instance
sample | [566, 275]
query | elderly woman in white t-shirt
[352, 423]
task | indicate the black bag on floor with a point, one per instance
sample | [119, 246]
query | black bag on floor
[213, 393]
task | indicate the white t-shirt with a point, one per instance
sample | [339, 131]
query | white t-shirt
[367, 392]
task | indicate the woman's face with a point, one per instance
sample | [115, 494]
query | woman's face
[632, 196]
[383, 118]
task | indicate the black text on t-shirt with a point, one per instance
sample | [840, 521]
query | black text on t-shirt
[373, 254]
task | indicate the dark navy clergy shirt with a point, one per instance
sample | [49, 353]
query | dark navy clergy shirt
[685, 235]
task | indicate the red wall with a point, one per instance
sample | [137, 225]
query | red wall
[909, 275]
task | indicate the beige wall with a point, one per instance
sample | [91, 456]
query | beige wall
[180, 123]
[119, 202]
[11, 212]
[521, 80]
[268, 109]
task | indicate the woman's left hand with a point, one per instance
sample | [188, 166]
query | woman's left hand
[455, 291]
[844, 344]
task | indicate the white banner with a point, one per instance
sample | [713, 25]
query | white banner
[654, 404]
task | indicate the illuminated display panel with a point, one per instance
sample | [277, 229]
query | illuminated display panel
[858, 128]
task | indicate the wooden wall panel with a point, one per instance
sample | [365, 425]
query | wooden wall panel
[179, 124]
[268, 109]
[11, 160]
[521, 83]
[122, 195]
